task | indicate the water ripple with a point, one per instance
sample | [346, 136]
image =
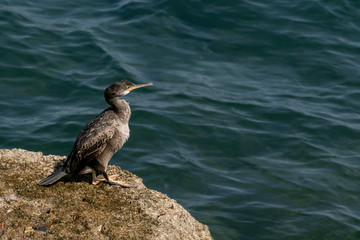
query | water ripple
[252, 122]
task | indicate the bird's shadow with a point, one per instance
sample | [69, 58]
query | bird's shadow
[71, 178]
[77, 178]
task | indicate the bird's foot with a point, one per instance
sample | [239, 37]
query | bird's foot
[113, 180]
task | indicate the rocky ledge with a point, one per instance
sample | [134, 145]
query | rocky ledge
[76, 209]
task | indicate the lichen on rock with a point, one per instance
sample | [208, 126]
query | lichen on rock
[75, 209]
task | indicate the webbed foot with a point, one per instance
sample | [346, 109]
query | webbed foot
[113, 180]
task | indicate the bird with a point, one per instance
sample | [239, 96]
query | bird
[100, 139]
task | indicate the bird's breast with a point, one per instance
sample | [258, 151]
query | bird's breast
[121, 136]
[125, 130]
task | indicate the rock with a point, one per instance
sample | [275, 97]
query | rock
[76, 209]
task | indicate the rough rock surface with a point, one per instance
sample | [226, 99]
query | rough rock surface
[75, 209]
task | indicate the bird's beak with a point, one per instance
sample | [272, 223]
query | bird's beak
[139, 86]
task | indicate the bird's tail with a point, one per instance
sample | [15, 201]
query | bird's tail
[56, 175]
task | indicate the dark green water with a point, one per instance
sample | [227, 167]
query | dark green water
[253, 120]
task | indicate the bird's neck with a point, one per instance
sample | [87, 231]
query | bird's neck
[120, 106]
[117, 104]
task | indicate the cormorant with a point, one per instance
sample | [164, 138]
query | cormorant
[100, 138]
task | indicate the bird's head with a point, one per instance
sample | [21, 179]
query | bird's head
[119, 89]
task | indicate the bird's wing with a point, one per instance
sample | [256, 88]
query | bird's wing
[91, 141]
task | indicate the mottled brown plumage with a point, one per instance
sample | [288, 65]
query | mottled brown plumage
[100, 138]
